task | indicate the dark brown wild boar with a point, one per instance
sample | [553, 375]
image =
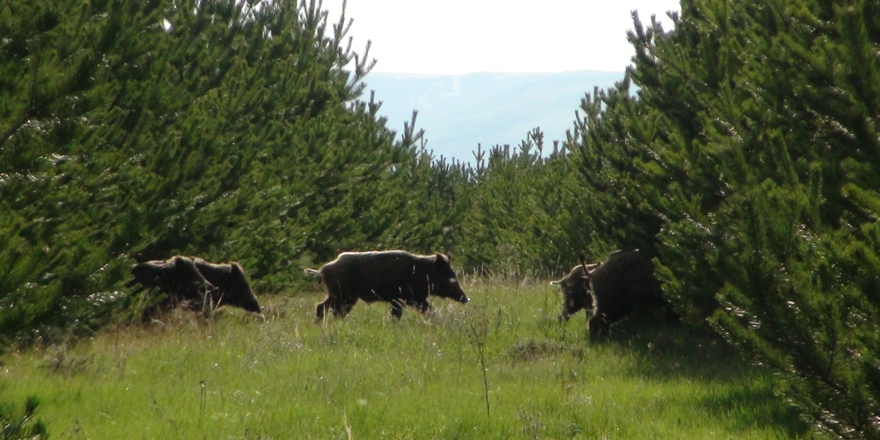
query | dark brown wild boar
[623, 282]
[231, 284]
[398, 277]
[177, 277]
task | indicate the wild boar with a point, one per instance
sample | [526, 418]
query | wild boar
[624, 281]
[231, 285]
[398, 277]
[177, 277]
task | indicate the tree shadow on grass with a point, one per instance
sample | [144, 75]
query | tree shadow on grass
[756, 407]
[741, 391]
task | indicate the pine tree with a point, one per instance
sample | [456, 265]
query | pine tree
[522, 216]
[754, 127]
[137, 130]
[610, 142]
[54, 70]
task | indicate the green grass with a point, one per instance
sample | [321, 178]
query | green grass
[369, 377]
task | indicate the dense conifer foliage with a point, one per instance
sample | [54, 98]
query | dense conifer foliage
[747, 162]
[522, 218]
[230, 130]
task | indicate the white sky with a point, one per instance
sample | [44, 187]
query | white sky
[451, 37]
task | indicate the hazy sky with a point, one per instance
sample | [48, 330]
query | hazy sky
[465, 36]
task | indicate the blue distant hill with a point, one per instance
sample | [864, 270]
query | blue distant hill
[458, 112]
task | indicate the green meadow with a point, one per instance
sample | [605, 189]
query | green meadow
[499, 367]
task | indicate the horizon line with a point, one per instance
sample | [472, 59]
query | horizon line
[497, 72]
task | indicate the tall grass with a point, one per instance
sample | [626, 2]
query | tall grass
[367, 376]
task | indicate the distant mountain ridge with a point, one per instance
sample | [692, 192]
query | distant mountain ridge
[458, 112]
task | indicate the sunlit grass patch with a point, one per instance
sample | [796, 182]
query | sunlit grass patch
[501, 366]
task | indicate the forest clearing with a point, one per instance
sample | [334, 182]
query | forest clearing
[370, 376]
[737, 155]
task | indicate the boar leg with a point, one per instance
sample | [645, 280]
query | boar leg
[322, 308]
[397, 308]
[599, 325]
[421, 305]
[343, 306]
[340, 307]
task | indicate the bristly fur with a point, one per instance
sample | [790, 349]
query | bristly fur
[398, 277]
[232, 287]
[623, 282]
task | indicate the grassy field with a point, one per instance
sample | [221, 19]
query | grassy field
[498, 367]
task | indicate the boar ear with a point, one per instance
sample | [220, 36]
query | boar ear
[179, 262]
[440, 258]
[236, 270]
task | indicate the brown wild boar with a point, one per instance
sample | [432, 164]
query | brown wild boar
[623, 282]
[398, 277]
[610, 290]
[177, 277]
[231, 284]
